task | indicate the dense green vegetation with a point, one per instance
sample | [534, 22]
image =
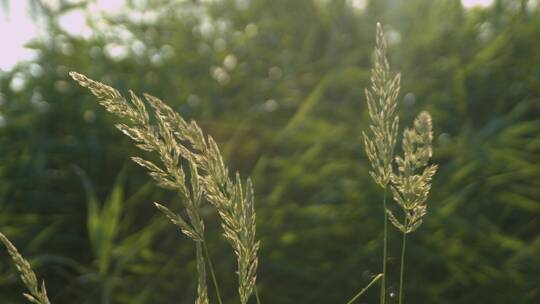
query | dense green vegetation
[279, 84]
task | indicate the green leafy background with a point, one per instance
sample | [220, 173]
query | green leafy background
[279, 84]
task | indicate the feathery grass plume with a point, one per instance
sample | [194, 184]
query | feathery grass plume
[380, 143]
[410, 188]
[175, 139]
[236, 209]
[382, 108]
[411, 185]
[37, 294]
[158, 138]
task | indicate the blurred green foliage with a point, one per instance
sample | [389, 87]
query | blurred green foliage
[279, 84]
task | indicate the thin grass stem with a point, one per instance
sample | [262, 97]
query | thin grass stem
[212, 273]
[402, 270]
[385, 249]
[375, 279]
[257, 295]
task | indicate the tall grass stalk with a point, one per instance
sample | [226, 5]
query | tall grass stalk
[411, 183]
[379, 144]
[175, 141]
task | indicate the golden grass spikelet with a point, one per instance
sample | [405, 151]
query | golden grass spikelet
[180, 222]
[382, 108]
[37, 294]
[411, 185]
[175, 140]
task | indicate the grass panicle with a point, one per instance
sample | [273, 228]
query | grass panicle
[411, 184]
[380, 142]
[37, 293]
[175, 140]
[382, 108]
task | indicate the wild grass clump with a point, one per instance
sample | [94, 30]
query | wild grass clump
[176, 142]
[411, 183]
[191, 164]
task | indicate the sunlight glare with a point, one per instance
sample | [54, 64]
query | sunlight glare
[476, 3]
